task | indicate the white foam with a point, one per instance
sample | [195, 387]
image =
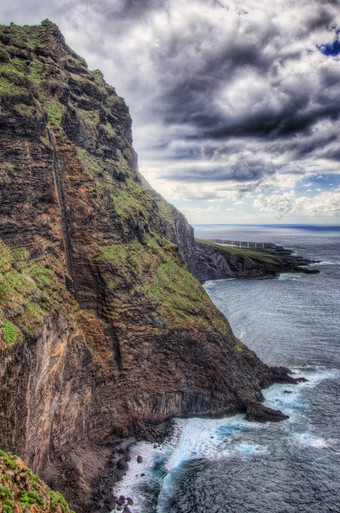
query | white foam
[308, 440]
[210, 284]
[290, 399]
[289, 276]
[214, 439]
[326, 262]
[134, 478]
[246, 449]
[314, 375]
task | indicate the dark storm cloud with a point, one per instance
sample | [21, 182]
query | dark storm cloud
[130, 11]
[241, 170]
[320, 19]
[296, 115]
[196, 63]
[219, 90]
[136, 8]
[333, 154]
[189, 99]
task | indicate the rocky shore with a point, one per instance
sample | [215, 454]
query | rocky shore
[216, 261]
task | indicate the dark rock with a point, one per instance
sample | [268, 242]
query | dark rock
[257, 412]
[139, 459]
[121, 500]
[121, 465]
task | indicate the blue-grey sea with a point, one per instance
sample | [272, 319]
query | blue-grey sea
[233, 466]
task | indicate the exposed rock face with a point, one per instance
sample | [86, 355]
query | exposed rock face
[178, 231]
[260, 413]
[104, 332]
[208, 261]
[211, 262]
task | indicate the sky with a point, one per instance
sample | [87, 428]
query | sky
[235, 105]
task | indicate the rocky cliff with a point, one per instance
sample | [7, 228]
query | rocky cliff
[215, 262]
[105, 335]
[207, 260]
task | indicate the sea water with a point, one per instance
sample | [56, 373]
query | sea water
[230, 465]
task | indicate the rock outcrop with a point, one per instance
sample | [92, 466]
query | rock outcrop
[104, 334]
[210, 261]
[214, 262]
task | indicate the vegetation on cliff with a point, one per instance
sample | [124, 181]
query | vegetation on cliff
[252, 255]
[42, 85]
[104, 333]
[22, 491]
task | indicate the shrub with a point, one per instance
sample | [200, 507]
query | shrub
[10, 333]
[5, 492]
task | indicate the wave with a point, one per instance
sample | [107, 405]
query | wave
[218, 439]
[289, 276]
[325, 262]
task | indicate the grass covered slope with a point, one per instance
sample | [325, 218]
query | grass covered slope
[104, 334]
[50, 98]
[22, 491]
[217, 261]
[252, 255]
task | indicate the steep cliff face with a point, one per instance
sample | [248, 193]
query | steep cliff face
[104, 332]
[177, 230]
[210, 261]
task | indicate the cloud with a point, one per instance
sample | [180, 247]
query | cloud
[225, 96]
[324, 204]
[278, 204]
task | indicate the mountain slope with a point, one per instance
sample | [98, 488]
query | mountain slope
[104, 332]
[21, 490]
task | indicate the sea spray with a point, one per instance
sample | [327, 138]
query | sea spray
[228, 465]
[152, 482]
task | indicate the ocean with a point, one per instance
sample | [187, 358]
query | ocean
[230, 465]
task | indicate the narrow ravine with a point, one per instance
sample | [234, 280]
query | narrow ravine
[64, 221]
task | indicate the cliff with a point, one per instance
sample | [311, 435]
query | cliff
[214, 261]
[208, 260]
[104, 333]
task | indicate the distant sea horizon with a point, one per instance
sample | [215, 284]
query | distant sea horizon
[275, 233]
[273, 225]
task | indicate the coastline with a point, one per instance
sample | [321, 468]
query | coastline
[110, 494]
[216, 260]
[149, 478]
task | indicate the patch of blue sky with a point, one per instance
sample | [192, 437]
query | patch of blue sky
[318, 183]
[331, 49]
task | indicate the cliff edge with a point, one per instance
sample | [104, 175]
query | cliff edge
[104, 333]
